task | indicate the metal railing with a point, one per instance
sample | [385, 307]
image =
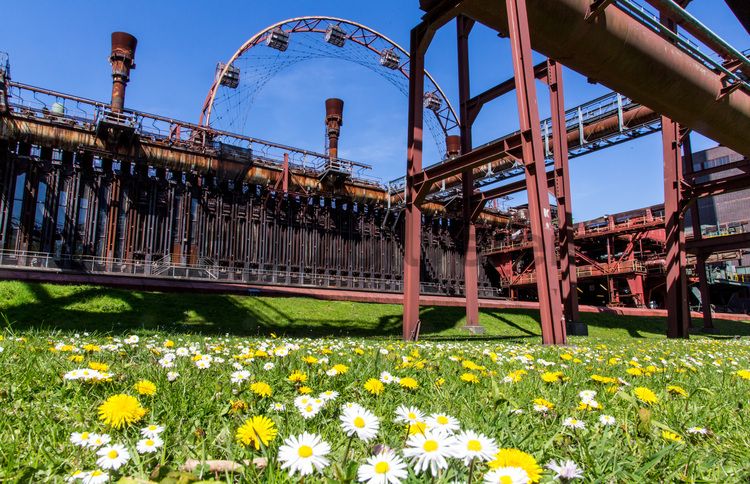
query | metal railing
[208, 270]
[56, 107]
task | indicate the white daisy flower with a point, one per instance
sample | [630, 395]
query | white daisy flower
[76, 475]
[172, 375]
[239, 376]
[149, 445]
[203, 364]
[95, 477]
[430, 450]
[607, 420]
[81, 439]
[277, 407]
[565, 470]
[112, 456]
[360, 422]
[384, 468]
[574, 423]
[408, 415]
[443, 422]
[97, 440]
[697, 431]
[386, 377]
[304, 454]
[310, 410]
[329, 395]
[506, 475]
[152, 431]
[471, 445]
[269, 366]
[587, 394]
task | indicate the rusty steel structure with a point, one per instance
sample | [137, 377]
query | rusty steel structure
[95, 189]
[612, 42]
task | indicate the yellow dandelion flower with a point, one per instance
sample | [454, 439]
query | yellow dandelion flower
[169, 343]
[517, 458]
[305, 390]
[255, 431]
[120, 410]
[91, 348]
[359, 351]
[238, 405]
[340, 369]
[440, 382]
[677, 390]
[634, 371]
[516, 376]
[76, 358]
[297, 377]
[646, 395]
[409, 382]
[374, 386]
[603, 379]
[544, 403]
[470, 378]
[310, 359]
[261, 388]
[671, 436]
[95, 365]
[145, 387]
[552, 376]
[744, 374]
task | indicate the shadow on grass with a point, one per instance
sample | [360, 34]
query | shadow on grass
[91, 308]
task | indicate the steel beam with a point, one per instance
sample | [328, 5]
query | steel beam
[471, 270]
[709, 245]
[553, 326]
[678, 322]
[700, 260]
[420, 39]
[564, 201]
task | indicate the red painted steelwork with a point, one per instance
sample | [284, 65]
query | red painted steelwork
[678, 322]
[568, 271]
[628, 57]
[543, 237]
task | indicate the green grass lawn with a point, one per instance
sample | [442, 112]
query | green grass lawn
[47, 306]
[624, 404]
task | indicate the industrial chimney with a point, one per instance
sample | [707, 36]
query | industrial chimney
[334, 121]
[122, 60]
[452, 145]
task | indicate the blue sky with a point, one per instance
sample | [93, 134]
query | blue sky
[64, 45]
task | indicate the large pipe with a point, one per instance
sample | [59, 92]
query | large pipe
[591, 133]
[628, 57]
[122, 59]
[334, 121]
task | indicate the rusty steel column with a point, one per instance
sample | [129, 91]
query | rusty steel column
[543, 237]
[471, 271]
[122, 60]
[413, 218]
[700, 257]
[678, 322]
[564, 203]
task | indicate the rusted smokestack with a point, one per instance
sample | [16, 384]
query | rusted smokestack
[452, 145]
[334, 121]
[122, 60]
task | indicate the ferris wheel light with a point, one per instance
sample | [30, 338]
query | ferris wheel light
[278, 39]
[231, 78]
[390, 59]
[432, 101]
[335, 35]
